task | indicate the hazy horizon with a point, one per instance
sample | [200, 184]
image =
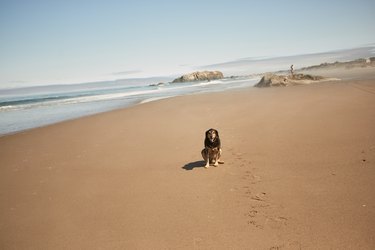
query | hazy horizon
[240, 67]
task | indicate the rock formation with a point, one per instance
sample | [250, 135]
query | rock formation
[157, 84]
[200, 76]
[272, 80]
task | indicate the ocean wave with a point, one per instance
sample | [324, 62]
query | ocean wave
[141, 92]
[66, 100]
[23, 110]
[152, 99]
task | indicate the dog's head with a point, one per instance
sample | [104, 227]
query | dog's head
[212, 134]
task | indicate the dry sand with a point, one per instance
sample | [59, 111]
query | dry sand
[299, 173]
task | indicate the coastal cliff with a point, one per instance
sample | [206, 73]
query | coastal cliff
[199, 76]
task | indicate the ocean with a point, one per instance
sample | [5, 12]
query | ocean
[30, 107]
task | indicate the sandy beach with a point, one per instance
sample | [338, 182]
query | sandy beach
[299, 173]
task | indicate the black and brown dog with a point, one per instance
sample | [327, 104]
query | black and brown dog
[212, 148]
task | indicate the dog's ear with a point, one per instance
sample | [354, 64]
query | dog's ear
[217, 132]
[207, 132]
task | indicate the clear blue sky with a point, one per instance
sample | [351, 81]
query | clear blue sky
[50, 41]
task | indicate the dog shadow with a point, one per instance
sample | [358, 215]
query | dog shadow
[195, 164]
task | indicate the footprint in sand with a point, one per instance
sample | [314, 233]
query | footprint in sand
[278, 247]
[276, 222]
[264, 214]
[251, 213]
[259, 196]
[248, 175]
[254, 223]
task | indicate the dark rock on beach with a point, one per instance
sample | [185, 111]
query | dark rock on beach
[157, 84]
[272, 80]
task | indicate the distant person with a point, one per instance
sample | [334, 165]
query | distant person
[292, 70]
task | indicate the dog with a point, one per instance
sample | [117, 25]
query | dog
[212, 148]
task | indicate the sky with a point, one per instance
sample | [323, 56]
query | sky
[73, 41]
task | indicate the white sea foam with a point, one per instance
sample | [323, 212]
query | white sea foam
[76, 100]
[153, 99]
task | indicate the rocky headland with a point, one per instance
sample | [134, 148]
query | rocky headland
[358, 63]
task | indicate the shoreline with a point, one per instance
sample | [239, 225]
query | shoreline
[49, 117]
[49, 108]
[148, 100]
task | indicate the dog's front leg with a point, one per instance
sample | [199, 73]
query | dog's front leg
[207, 163]
[206, 157]
[216, 164]
[217, 156]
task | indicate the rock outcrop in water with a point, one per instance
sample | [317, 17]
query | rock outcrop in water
[272, 80]
[200, 76]
[157, 84]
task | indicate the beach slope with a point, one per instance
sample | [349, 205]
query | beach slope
[299, 173]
